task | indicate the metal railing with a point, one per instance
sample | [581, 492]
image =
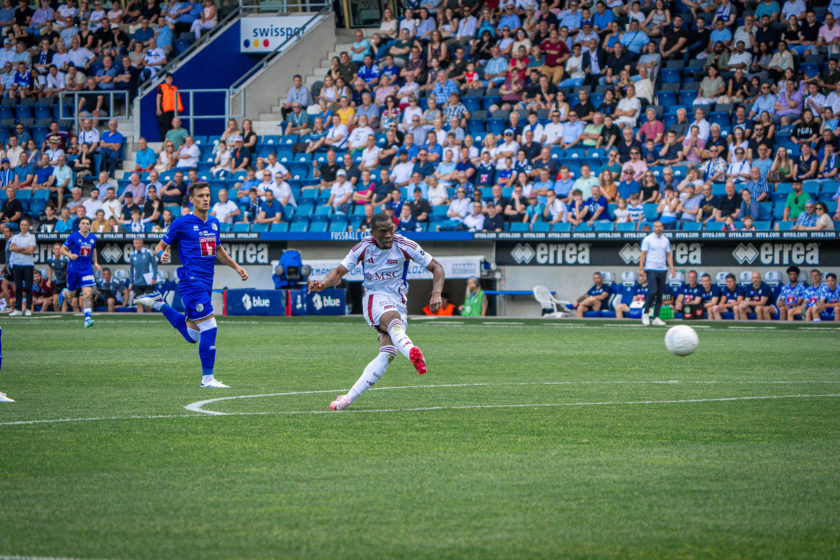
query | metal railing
[117, 111]
[269, 57]
[188, 101]
[283, 6]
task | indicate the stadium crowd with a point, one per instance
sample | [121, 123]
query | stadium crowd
[605, 115]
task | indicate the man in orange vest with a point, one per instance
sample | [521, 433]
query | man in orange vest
[165, 104]
[446, 308]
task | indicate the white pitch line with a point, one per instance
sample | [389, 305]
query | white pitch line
[198, 406]
[201, 413]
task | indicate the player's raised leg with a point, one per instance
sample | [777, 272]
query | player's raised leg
[154, 300]
[396, 330]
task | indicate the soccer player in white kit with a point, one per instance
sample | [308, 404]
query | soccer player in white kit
[385, 259]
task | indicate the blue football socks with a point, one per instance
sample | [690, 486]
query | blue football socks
[179, 321]
[207, 350]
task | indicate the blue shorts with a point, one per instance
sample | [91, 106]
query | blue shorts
[83, 279]
[196, 297]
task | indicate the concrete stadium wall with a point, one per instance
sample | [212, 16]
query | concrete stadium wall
[269, 86]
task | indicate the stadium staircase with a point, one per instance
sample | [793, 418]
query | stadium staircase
[269, 122]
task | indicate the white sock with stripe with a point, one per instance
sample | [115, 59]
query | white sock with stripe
[373, 372]
[396, 330]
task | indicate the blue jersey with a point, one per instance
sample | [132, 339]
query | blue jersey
[690, 292]
[830, 296]
[596, 291]
[84, 247]
[731, 295]
[752, 293]
[792, 294]
[640, 292]
[812, 295]
[710, 295]
[197, 244]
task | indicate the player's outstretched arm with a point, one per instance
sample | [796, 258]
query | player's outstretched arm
[332, 279]
[438, 277]
[162, 252]
[66, 252]
[224, 258]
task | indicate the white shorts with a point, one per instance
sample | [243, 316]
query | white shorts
[374, 306]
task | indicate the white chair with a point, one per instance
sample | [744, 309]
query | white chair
[629, 278]
[720, 278]
[545, 298]
[773, 278]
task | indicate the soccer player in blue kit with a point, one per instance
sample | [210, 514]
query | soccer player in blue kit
[197, 235]
[829, 298]
[80, 248]
[790, 297]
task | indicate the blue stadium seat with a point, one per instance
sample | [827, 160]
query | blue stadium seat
[495, 126]
[279, 228]
[692, 226]
[299, 225]
[541, 227]
[583, 227]
[651, 210]
[241, 228]
[602, 226]
[318, 227]
[258, 228]
[225, 227]
[715, 226]
[670, 75]
[785, 226]
[561, 227]
[625, 227]
[518, 227]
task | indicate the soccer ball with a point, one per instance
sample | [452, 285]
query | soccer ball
[681, 340]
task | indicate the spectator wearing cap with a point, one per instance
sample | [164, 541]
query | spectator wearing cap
[241, 156]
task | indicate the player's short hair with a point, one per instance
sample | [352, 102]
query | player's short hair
[106, 269]
[706, 275]
[197, 186]
[730, 275]
[831, 275]
[83, 218]
[380, 219]
[793, 268]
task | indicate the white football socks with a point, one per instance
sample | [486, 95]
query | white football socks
[373, 371]
[396, 330]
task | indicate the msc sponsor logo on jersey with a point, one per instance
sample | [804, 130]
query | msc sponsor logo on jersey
[390, 275]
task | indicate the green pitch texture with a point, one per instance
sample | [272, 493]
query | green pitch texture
[753, 478]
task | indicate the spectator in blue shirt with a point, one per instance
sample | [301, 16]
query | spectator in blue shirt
[111, 143]
[597, 206]
[146, 157]
[628, 184]
[509, 20]
[25, 172]
[271, 211]
[368, 71]
[749, 206]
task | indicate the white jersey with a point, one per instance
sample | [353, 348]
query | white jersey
[386, 270]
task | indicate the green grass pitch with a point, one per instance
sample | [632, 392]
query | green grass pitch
[526, 439]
